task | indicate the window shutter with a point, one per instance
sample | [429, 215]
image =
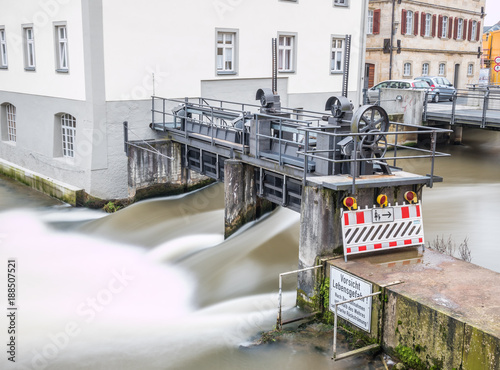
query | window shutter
[403, 22]
[455, 29]
[450, 27]
[415, 23]
[464, 33]
[422, 24]
[440, 26]
[434, 25]
[376, 21]
[469, 36]
[478, 31]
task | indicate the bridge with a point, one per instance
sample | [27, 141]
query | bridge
[474, 107]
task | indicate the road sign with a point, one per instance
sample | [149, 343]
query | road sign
[344, 286]
[497, 60]
[497, 68]
[383, 215]
[372, 229]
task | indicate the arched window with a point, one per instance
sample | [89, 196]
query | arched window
[68, 132]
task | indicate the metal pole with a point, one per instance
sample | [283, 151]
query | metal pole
[152, 111]
[335, 334]
[392, 39]
[306, 158]
[433, 143]
[396, 145]
[279, 326]
[485, 107]
[125, 137]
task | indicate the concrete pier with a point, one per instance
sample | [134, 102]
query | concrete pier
[446, 314]
[242, 205]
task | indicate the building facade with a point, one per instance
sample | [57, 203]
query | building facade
[72, 71]
[491, 56]
[408, 39]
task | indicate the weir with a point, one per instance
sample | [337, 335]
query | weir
[338, 170]
[267, 154]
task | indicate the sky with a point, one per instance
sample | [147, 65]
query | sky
[492, 9]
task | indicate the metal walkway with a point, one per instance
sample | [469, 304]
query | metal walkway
[290, 149]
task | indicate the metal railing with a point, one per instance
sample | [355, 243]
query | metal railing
[483, 99]
[399, 129]
[279, 321]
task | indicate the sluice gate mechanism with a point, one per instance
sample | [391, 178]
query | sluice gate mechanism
[287, 147]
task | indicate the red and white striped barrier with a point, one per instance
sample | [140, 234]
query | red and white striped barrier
[373, 229]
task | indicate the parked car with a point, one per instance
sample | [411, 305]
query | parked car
[373, 93]
[441, 88]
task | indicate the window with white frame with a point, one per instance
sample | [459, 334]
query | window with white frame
[473, 31]
[68, 131]
[470, 69]
[11, 123]
[341, 2]
[29, 50]
[62, 48]
[428, 25]
[409, 22]
[3, 49]
[460, 29]
[407, 69]
[444, 27]
[286, 53]
[370, 22]
[226, 52]
[425, 69]
[442, 69]
[336, 62]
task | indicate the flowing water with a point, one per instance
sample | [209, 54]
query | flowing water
[155, 286]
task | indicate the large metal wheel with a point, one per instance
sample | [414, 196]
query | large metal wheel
[374, 144]
[339, 106]
[373, 121]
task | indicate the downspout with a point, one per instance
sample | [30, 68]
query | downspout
[362, 54]
[392, 39]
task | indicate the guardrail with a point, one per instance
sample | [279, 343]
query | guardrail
[482, 98]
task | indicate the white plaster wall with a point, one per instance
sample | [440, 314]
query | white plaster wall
[45, 80]
[176, 41]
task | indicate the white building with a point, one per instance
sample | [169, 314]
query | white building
[73, 70]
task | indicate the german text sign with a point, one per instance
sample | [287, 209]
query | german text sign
[344, 286]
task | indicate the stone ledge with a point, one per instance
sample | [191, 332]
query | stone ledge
[54, 188]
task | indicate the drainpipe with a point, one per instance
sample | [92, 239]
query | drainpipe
[392, 39]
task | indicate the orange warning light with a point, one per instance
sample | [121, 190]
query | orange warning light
[411, 197]
[382, 200]
[350, 203]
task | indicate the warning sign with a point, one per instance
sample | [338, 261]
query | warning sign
[344, 286]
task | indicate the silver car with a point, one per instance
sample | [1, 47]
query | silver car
[441, 88]
[373, 93]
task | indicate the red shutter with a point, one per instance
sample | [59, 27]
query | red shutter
[422, 24]
[450, 27]
[376, 21]
[440, 26]
[469, 36]
[403, 22]
[455, 29]
[464, 33]
[478, 31]
[415, 23]
[434, 25]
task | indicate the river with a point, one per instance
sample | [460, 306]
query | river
[155, 286]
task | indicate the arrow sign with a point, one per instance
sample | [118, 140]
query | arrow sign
[383, 214]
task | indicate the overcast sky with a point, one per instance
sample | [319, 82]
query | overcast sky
[493, 12]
